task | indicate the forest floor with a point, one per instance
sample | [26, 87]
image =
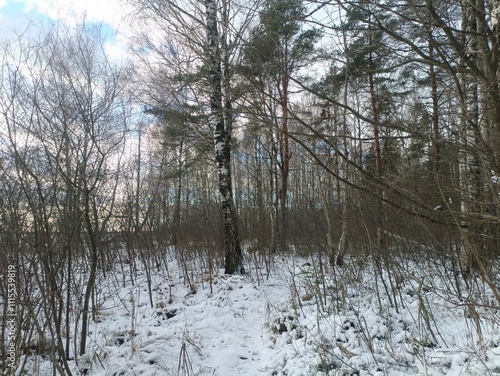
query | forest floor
[298, 321]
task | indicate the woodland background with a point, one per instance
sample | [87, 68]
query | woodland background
[238, 132]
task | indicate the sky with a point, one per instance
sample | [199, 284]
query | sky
[15, 15]
[112, 15]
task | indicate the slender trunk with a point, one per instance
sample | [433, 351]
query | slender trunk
[375, 120]
[273, 177]
[93, 249]
[222, 139]
[343, 197]
[178, 199]
[259, 197]
[273, 174]
[285, 169]
[326, 203]
[138, 184]
[469, 121]
[376, 131]
[284, 149]
[435, 161]
[486, 132]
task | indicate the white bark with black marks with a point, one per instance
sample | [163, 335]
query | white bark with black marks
[222, 140]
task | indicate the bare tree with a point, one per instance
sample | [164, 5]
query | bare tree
[198, 60]
[66, 115]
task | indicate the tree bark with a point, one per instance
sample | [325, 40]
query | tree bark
[284, 164]
[222, 139]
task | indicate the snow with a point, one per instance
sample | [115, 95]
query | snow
[287, 324]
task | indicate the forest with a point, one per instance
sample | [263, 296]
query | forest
[358, 139]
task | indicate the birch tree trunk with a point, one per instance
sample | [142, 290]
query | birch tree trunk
[480, 122]
[222, 139]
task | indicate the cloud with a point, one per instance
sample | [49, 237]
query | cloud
[14, 18]
[109, 12]
[16, 15]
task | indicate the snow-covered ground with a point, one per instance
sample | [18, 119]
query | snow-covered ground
[293, 323]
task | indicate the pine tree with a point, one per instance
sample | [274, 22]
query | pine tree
[278, 48]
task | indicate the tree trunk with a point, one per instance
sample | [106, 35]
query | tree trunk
[285, 164]
[375, 120]
[222, 139]
[93, 250]
[435, 152]
[175, 239]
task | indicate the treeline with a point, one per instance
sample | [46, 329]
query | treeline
[348, 119]
[338, 129]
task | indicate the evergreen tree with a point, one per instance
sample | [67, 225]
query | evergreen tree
[279, 46]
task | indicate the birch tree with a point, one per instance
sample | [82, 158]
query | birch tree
[201, 42]
[222, 141]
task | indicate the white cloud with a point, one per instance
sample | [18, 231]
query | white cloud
[111, 12]
[15, 16]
